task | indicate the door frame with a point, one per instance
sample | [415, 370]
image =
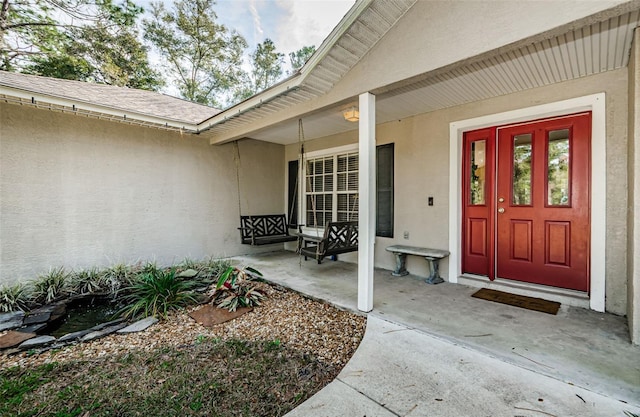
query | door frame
[595, 103]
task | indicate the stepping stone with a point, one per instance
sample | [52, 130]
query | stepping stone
[36, 342]
[37, 318]
[11, 320]
[102, 333]
[139, 325]
[211, 315]
[14, 338]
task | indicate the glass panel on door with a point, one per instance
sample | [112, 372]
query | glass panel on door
[521, 185]
[477, 171]
[558, 157]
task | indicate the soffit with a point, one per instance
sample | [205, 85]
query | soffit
[589, 50]
[377, 18]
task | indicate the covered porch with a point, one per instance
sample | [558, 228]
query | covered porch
[578, 346]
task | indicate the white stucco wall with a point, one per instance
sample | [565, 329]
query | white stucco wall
[422, 166]
[633, 215]
[78, 192]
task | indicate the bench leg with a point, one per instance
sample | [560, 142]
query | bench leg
[401, 269]
[434, 266]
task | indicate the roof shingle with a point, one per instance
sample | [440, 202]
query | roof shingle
[127, 99]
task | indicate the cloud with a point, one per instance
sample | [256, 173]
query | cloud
[258, 32]
[307, 22]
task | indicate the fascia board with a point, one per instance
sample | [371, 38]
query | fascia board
[80, 106]
[296, 80]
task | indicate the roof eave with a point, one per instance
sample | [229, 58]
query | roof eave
[83, 107]
[295, 81]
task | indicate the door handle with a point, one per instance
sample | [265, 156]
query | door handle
[501, 210]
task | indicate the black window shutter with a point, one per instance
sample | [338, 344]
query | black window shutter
[292, 207]
[384, 190]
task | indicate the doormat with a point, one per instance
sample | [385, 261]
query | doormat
[530, 303]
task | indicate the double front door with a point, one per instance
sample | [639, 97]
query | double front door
[526, 213]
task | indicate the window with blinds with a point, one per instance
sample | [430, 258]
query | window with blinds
[331, 189]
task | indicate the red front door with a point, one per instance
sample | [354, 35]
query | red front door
[536, 211]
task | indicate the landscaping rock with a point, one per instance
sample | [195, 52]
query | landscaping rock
[37, 318]
[37, 342]
[14, 338]
[102, 333]
[34, 328]
[44, 314]
[70, 337]
[107, 324]
[139, 325]
[189, 273]
[11, 320]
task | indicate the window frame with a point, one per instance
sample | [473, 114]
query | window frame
[330, 152]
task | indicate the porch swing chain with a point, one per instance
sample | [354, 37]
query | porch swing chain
[308, 182]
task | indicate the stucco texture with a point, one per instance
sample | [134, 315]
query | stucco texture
[80, 192]
[422, 167]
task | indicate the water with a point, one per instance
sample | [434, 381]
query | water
[85, 316]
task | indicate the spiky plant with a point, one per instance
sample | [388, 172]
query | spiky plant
[87, 281]
[233, 289]
[157, 293]
[50, 286]
[116, 277]
[13, 298]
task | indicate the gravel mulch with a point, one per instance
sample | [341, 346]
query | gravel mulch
[299, 323]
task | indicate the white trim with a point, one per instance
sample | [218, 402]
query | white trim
[331, 151]
[74, 106]
[566, 297]
[594, 103]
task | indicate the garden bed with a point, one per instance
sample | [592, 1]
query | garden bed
[263, 363]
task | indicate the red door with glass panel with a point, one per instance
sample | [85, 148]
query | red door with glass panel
[538, 205]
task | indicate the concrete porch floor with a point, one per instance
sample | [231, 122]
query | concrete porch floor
[578, 347]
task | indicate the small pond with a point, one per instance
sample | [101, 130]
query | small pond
[84, 315]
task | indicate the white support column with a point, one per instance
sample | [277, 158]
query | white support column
[367, 200]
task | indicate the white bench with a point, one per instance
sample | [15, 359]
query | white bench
[432, 256]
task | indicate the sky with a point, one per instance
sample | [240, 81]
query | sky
[290, 24]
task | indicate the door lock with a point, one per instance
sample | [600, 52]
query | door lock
[501, 200]
[501, 210]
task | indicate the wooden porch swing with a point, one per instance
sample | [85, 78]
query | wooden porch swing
[339, 237]
[262, 229]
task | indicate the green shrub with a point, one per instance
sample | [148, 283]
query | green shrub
[86, 281]
[233, 291]
[50, 286]
[156, 293]
[13, 298]
[116, 277]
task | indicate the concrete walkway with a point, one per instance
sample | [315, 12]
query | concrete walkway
[398, 371]
[511, 357]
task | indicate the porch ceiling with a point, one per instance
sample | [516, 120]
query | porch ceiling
[592, 49]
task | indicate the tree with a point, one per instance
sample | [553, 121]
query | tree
[266, 70]
[76, 39]
[203, 57]
[298, 58]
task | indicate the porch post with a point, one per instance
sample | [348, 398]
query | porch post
[367, 200]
